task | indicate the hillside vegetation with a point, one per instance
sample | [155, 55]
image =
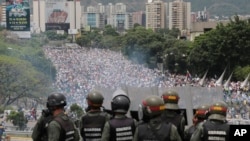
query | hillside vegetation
[215, 7]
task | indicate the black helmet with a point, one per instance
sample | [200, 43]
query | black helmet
[95, 99]
[120, 101]
[152, 106]
[56, 99]
[120, 104]
[218, 111]
[171, 99]
[202, 111]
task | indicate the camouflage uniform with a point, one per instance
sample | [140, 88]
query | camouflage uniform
[55, 129]
[120, 127]
[108, 136]
[157, 123]
[91, 120]
[172, 113]
[54, 124]
[201, 114]
[152, 127]
[216, 127]
[40, 129]
[91, 124]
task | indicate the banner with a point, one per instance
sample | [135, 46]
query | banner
[18, 17]
[57, 16]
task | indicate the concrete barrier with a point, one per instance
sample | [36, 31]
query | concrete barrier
[18, 133]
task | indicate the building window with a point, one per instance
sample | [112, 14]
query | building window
[91, 19]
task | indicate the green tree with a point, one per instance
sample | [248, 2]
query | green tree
[95, 37]
[108, 42]
[175, 32]
[17, 118]
[142, 45]
[175, 55]
[109, 30]
[83, 41]
[24, 70]
[76, 110]
[227, 46]
[242, 72]
[52, 35]
[31, 51]
[19, 79]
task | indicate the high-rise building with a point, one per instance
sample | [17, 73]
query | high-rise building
[94, 16]
[118, 17]
[156, 14]
[139, 18]
[56, 15]
[180, 15]
[200, 16]
[114, 15]
[3, 14]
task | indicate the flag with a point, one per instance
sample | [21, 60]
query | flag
[188, 76]
[201, 82]
[219, 81]
[244, 83]
[226, 84]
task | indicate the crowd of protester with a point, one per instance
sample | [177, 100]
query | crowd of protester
[79, 70]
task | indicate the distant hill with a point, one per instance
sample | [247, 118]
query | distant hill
[215, 7]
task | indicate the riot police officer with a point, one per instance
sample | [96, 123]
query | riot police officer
[59, 127]
[92, 122]
[172, 113]
[120, 126]
[201, 114]
[215, 127]
[152, 127]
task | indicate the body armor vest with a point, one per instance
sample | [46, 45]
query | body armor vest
[92, 127]
[216, 131]
[122, 129]
[176, 120]
[189, 133]
[147, 134]
[44, 128]
[67, 132]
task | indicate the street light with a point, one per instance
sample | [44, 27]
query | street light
[171, 61]
[165, 65]
[176, 67]
[160, 63]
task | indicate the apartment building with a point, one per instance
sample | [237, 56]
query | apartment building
[156, 14]
[94, 16]
[3, 14]
[139, 18]
[118, 17]
[180, 15]
[112, 14]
